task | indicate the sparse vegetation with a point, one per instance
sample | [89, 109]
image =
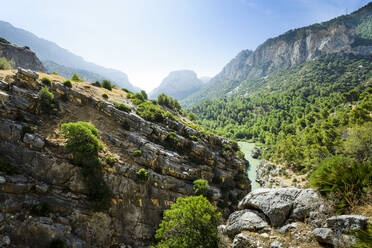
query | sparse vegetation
[67, 84]
[122, 107]
[46, 81]
[190, 222]
[142, 174]
[47, 102]
[201, 187]
[105, 96]
[28, 129]
[40, 209]
[137, 153]
[364, 237]
[97, 84]
[6, 64]
[107, 84]
[75, 77]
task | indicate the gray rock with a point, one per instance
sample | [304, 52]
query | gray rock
[242, 240]
[33, 140]
[347, 223]
[284, 229]
[6, 240]
[324, 235]
[282, 204]
[2, 180]
[41, 188]
[249, 220]
[274, 203]
[3, 85]
[221, 229]
[276, 244]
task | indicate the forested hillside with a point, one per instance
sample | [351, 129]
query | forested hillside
[305, 104]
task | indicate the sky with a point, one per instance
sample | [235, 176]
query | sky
[147, 39]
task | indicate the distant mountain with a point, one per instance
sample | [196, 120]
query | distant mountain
[178, 84]
[205, 79]
[345, 34]
[20, 56]
[49, 51]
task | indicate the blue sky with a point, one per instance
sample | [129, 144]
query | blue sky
[149, 38]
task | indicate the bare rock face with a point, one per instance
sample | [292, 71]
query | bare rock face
[43, 172]
[21, 56]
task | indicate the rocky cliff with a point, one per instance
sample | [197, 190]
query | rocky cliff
[44, 196]
[20, 56]
[345, 34]
[178, 84]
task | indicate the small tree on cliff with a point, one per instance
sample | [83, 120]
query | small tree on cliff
[191, 222]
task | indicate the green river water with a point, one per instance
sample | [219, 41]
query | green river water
[247, 148]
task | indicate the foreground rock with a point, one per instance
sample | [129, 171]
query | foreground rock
[44, 197]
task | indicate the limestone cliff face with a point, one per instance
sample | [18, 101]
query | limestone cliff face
[21, 56]
[44, 174]
[292, 48]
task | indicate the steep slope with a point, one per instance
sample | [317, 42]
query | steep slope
[49, 51]
[178, 84]
[46, 197]
[345, 34]
[20, 56]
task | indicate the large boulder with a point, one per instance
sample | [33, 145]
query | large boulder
[281, 204]
[245, 220]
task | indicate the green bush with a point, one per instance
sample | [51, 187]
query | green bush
[40, 209]
[55, 73]
[137, 153]
[28, 129]
[57, 243]
[144, 94]
[83, 143]
[76, 78]
[110, 160]
[344, 179]
[126, 90]
[82, 139]
[168, 101]
[6, 167]
[104, 95]
[67, 83]
[122, 107]
[201, 187]
[151, 112]
[47, 102]
[364, 237]
[97, 84]
[142, 174]
[6, 64]
[107, 84]
[46, 81]
[190, 222]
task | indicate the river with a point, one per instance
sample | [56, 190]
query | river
[247, 148]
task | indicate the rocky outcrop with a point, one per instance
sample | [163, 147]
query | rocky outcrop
[44, 196]
[20, 56]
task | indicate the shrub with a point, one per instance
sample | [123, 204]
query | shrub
[364, 237]
[110, 160]
[55, 73]
[97, 84]
[190, 222]
[201, 187]
[46, 81]
[83, 143]
[6, 167]
[142, 174]
[137, 153]
[104, 95]
[6, 64]
[122, 107]
[344, 179]
[48, 104]
[151, 112]
[28, 129]
[144, 94]
[76, 78]
[107, 84]
[40, 209]
[82, 139]
[240, 154]
[67, 83]
[57, 243]
[126, 90]
[168, 101]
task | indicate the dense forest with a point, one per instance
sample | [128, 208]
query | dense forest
[304, 106]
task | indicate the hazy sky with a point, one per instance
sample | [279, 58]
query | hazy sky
[149, 38]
